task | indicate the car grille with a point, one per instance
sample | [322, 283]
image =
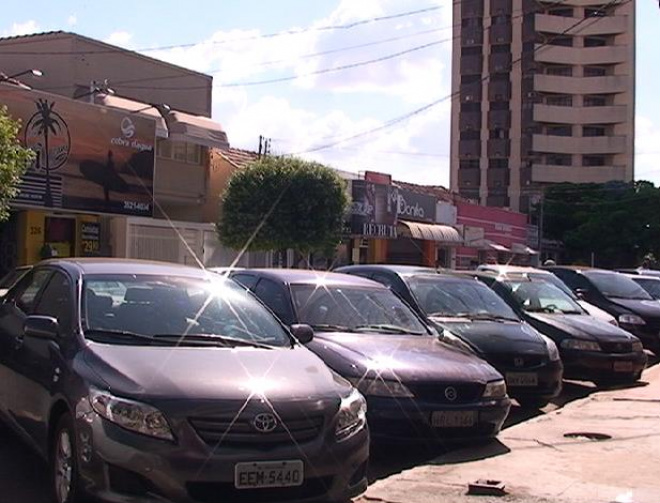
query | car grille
[615, 347]
[442, 392]
[240, 432]
[212, 492]
[513, 361]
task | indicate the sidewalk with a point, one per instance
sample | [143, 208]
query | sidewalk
[538, 464]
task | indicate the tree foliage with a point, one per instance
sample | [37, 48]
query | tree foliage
[283, 202]
[619, 223]
[14, 160]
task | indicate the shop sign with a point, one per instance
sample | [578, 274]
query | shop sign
[373, 210]
[89, 158]
[90, 239]
[414, 206]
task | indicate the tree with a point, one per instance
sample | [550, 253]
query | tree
[277, 203]
[14, 160]
[48, 123]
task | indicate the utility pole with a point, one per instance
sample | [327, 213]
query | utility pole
[540, 222]
[264, 146]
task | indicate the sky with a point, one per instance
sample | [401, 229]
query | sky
[353, 84]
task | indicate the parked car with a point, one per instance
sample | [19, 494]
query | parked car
[590, 349]
[649, 283]
[542, 274]
[11, 278]
[634, 308]
[464, 308]
[417, 387]
[145, 381]
[641, 271]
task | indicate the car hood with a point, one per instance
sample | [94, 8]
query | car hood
[408, 358]
[644, 308]
[212, 373]
[596, 312]
[489, 337]
[582, 326]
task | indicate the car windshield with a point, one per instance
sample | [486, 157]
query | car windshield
[354, 309]
[617, 286]
[145, 308]
[456, 298]
[12, 277]
[651, 285]
[541, 296]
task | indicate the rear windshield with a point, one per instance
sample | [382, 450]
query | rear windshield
[438, 297]
[617, 286]
[543, 297]
[354, 309]
[174, 306]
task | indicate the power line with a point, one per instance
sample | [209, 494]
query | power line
[397, 120]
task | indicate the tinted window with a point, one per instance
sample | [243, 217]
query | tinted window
[617, 286]
[177, 306]
[27, 290]
[651, 285]
[12, 277]
[353, 308]
[383, 279]
[275, 297]
[438, 297]
[57, 300]
[247, 280]
[540, 296]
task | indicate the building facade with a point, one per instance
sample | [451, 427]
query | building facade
[544, 93]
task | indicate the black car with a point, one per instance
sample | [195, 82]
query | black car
[145, 382]
[635, 310]
[463, 307]
[417, 387]
[591, 349]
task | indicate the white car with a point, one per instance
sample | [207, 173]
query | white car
[533, 272]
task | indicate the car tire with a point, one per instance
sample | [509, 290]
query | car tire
[64, 479]
[532, 402]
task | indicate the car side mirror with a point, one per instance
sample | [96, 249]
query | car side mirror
[304, 333]
[41, 327]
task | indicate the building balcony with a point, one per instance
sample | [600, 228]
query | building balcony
[175, 182]
[469, 178]
[469, 121]
[499, 62]
[583, 55]
[500, 34]
[499, 119]
[582, 85]
[499, 148]
[608, 25]
[469, 148]
[543, 173]
[499, 90]
[578, 144]
[472, 36]
[471, 64]
[581, 115]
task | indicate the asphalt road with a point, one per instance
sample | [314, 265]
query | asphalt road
[24, 476]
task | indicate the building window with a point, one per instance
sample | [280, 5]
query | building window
[470, 135]
[498, 163]
[471, 107]
[563, 12]
[499, 105]
[498, 134]
[559, 130]
[500, 20]
[596, 41]
[594, 130]
[595, 100]
[468, 164]
[180, 151]
[559, 159]
[471, 51]
[595, 71]
[593, 160]
[559, 100]
[597, 12]
[560, 70]
[471, 22]
[562, 41]
[470, 79]
[501, 49]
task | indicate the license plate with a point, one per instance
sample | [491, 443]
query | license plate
[522, 379]
[453, 419]
[268, 474]
[623, 366]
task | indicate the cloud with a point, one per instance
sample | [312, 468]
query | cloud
[72, 20]
[647, 149]
[119, 38]
[26, 28]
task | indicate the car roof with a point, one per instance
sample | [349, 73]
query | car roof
[514, 269]
[99, 265]
[395, 268]
[576, 268]
[312, 277]
[642, 276]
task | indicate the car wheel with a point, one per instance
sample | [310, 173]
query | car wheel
[532, 402]
[63, 463]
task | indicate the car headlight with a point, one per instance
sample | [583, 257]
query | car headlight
[380, 387]
[352, 415]
[637, 346]
[495, 389]
[131, 415]
[631, 319]
[580, 345]
[553, 352]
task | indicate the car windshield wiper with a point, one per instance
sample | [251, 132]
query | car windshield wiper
[385, 327]
[442, 314]
[572, 312]
[225, 340]
[120, 334]
[489, 317]
[542, 310]
[329, 327]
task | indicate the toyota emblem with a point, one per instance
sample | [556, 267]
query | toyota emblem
[518, 361]
[265, 422]
[450, 393]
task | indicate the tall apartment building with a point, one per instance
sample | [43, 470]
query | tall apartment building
[544, 93]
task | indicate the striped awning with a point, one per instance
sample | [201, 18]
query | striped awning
[431, 232]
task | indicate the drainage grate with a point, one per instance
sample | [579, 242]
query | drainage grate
[588, 435]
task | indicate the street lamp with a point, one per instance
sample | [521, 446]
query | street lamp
[34, 72]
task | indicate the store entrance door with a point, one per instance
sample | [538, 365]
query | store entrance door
[60, 236]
